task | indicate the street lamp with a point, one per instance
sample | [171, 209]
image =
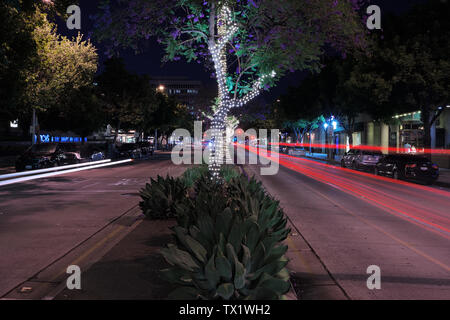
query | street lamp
[161, 88]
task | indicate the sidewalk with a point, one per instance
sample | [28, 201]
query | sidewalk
[444, 178]
[130, 269]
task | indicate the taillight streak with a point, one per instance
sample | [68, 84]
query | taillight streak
[371, 196]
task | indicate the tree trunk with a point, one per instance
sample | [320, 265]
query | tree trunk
[217, 144]
[350, 139]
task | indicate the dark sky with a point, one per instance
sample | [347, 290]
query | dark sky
[149, 62]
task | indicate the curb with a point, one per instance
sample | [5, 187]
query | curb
[291, 295]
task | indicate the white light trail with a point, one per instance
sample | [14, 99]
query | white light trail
[51, 174]
[32, 172]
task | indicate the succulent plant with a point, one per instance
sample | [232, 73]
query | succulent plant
[228, 248]
[160, 197]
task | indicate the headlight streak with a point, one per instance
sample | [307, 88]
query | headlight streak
[32, 172]
[51, 174]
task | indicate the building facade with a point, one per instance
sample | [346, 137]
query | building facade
[403, 132]
[183, 89]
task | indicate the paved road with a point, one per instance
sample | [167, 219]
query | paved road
[41, 220]
[353, 220]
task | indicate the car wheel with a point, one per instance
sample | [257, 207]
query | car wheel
[342, 163]
[354, 165]
[375, 171]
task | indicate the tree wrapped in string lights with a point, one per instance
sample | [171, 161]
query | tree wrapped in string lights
[247, 44]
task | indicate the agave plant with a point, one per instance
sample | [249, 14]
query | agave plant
[224, 252]
[191, 175]
[161, 197]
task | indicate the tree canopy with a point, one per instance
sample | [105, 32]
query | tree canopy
[258, 36]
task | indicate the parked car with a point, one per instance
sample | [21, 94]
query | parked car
[360, 159]
[129, 150]
[407, 166]
[146, 148]
[93, 152]
[47, 155]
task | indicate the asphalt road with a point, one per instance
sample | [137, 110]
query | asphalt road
[353, 220]
[42, 220]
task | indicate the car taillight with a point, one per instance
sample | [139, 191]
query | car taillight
[435, 166]
[412, 165]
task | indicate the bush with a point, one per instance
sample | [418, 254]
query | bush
[161, 197]
[228, 243]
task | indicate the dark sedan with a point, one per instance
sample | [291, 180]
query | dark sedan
[146, 148]
[406, 166]
[47, 155]
[129, 150]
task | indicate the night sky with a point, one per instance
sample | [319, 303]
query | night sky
[150, 61]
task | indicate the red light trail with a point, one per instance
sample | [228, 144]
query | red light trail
[424, 206]
[363, 147]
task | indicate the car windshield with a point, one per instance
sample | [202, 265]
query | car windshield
[43, 148]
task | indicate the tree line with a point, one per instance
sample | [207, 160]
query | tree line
[406, 68]
[57, 77]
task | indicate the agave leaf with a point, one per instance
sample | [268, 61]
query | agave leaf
[271, 268]
[223, 266]
[180, 258]
[239, 274]
[283, 274]
[225, 290]
[246, 257]
[275, 284]
[211, 273]
[236, 235]
[253, 234]
[276, 253]
[223, 221]
[175, 275]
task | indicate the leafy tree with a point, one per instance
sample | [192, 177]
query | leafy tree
[19, 56]
[410, 68]
[130, 102]
[82, 112]
[62, 64]
[249, 44]
[122, 94]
